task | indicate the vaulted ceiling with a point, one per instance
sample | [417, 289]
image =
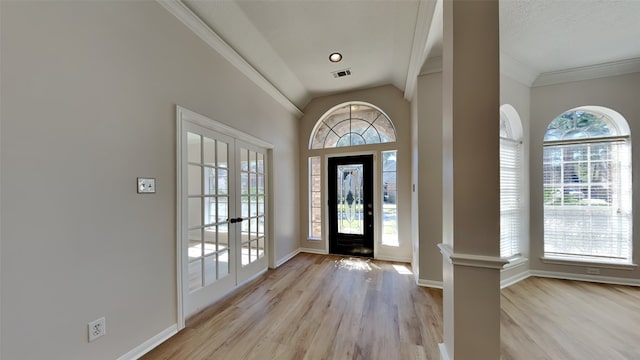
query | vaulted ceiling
[387, 41]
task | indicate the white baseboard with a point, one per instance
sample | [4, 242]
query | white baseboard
[314, 251]
[443, 352]
[287, 257]
[393, 258]
[586, 277]
[430, 283]
[150, 344]
[514, 279]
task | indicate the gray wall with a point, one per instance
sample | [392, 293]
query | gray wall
[619, 93]
[88, 104]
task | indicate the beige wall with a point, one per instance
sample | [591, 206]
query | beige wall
[429, 150]
[88, 104]
[619, 93]
[391, 101]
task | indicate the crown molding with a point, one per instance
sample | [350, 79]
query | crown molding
[178, 9]
[423, 39]
[614, 68]
[432, 65]
[517, 70]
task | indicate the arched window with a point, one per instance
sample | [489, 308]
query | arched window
[587, 186]
[510, 180]
[352, 124]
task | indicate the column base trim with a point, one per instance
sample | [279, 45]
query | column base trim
[479, 261]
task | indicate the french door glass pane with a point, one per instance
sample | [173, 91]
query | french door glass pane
[223, 237]
[195, 242]
[223, 264]
[195, 212]
[195, 274]
[210, 206]
[210, 241]
[223, 182]
[209, 151]
[223, 208]
[223, 160]
[209, 181]
[193, 148]
[194, 186]
[350, 209]
[210, 268]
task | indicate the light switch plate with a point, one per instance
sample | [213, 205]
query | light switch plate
[146, 185]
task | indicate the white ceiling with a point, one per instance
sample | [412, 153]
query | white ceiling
[552, 35]
[289, 41]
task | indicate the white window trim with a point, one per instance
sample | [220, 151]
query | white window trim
[589, 262]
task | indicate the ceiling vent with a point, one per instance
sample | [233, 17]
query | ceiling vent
[341, 73]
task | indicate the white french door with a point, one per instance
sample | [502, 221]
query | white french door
[223, 216]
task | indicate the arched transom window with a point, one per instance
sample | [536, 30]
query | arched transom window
[587, 186]
[352, 124]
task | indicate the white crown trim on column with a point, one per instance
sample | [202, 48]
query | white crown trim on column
[479, 261]
[178, 9]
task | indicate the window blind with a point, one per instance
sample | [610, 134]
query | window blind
[510, 190]
[587, 201]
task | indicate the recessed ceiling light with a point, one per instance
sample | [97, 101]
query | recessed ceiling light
[335, 57]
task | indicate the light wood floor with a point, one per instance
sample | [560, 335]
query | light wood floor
[328, 307]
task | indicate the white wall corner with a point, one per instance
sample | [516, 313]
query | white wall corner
[178, 9]
[517, 70]
[287, 257]
[150, 344]
[589, 72]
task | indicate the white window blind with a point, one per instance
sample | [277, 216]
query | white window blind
[510, 165]
[315, 202]
[587, 200]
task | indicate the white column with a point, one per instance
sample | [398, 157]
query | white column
[471, 180]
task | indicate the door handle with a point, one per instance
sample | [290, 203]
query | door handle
[236, 220]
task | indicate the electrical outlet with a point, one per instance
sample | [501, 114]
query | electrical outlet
[593, 271]
[97, 328]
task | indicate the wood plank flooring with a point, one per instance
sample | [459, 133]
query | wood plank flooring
[317, 307]
[329, 307]
[563, 319]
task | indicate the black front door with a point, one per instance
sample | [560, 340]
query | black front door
[351, 205]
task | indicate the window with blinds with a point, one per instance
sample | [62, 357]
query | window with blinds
[510, 180]
[510, 214]
[587, 189]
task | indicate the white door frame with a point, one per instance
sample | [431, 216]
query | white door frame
[184, 115]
